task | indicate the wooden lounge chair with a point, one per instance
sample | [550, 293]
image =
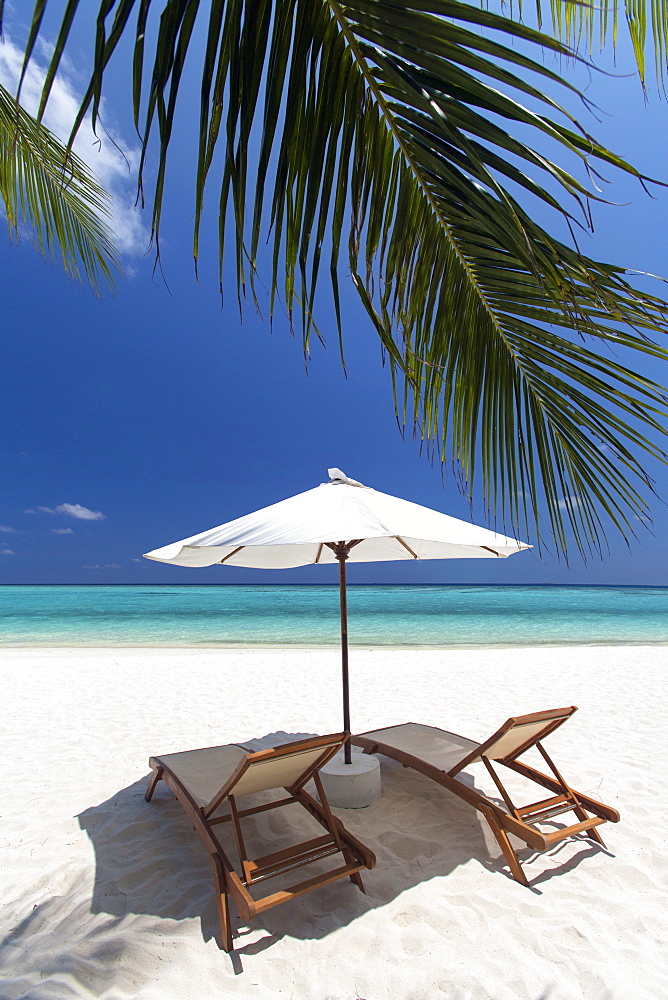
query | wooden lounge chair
[444, 756]
[205, 780]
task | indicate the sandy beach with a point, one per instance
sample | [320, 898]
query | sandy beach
[108, 896]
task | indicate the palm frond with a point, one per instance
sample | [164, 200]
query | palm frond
[394, 129]
[587, 22]
[51, 192]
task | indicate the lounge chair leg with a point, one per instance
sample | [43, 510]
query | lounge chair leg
[592, 834]
[505, 845]
[223, 903]
[596, 836]
[333, 829]
[357, 879]
[155, 778]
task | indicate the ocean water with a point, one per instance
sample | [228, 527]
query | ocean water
[309, 616]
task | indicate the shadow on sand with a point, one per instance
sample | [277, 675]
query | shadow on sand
[60, 951]
[150, 862]
[152, 878]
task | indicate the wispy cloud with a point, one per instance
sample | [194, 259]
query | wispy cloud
[62, 531]
[103, 566]
[6, 530]
[116, 170]
[6, 552]
[82, 513]
[71, 510]
[569, 503]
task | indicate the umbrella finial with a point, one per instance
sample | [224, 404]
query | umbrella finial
[336, 476]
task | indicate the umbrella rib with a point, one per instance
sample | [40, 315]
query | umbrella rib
[494, 553]
[347, 546]
[407, 547]
[320, 548]
[238, 549]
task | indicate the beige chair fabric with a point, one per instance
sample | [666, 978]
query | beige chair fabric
[435, 746]
[203, 772]
[513, 740]
[281, 773]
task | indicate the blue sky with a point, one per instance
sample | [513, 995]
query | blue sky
[133, 421]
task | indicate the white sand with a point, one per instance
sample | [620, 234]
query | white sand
[108, 896]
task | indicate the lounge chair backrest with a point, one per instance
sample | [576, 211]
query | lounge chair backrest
[517, 735]
[279, 772]
[287, 766]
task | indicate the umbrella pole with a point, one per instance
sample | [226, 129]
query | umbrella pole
[342, 554]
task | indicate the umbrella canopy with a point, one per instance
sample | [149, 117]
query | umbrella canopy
[338, 521]
[296, 532]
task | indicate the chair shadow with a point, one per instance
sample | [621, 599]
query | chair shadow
[150, 862]
[527, 855]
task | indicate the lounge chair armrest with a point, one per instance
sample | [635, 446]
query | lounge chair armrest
[593, 805]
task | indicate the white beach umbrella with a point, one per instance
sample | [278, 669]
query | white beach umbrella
[338, 521]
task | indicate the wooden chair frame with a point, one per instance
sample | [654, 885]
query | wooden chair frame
[520, 821]
[228, 883]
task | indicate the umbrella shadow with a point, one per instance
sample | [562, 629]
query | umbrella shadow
[150, 862]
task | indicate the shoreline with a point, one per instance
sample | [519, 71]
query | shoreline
[361, 647]
[335, 586]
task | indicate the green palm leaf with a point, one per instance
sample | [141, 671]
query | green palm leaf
[389, 134]
[49, 190]
[583, 22]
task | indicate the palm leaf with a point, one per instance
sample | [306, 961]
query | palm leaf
[584, 22]
[51, 192]
[395, 129]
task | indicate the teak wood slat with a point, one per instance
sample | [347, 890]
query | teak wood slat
[591, 805]
[535, 807]
[507, 819]
[251, 812]
[286, 895]
[290, 853]
[301, 766]
[292, 857]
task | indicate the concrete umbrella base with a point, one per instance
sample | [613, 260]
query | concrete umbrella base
[352, 786]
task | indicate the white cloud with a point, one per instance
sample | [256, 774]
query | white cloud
[72, 510]
[82, 513]
[62, 531]
[106, 566]
[116, 170]
[6, 552]
[5, 529]
[569, 503]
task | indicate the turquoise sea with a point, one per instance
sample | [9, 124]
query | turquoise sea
[309, 616]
